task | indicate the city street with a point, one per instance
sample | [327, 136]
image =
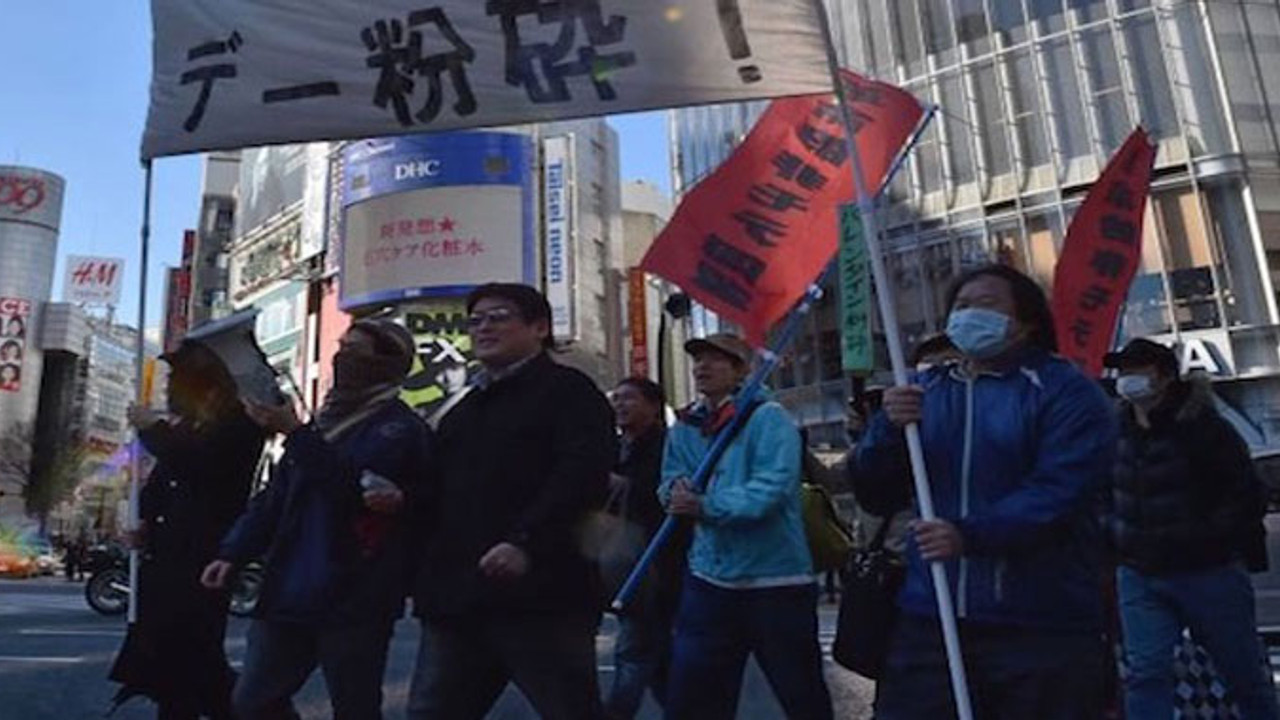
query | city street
[55, 652]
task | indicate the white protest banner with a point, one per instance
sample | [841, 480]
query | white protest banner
[237, 73]
[557, 217]
[93, 280]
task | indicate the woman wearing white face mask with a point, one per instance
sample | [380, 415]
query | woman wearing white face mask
[1185, 520]
[1017, 443]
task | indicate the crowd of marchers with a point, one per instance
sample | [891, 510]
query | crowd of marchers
[491, 526]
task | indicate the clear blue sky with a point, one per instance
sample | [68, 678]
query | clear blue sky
[75, 101]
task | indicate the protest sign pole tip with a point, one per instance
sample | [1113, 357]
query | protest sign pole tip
[888, 313]
[135, 470]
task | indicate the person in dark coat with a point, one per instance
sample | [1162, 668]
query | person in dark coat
[1185, 523]
[642, 652]
[205, 462]
[333, 525]
[505, 589]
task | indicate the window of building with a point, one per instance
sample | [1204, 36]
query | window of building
[1150, 80]
[1028, 118]
[1129, 5]
[909, 299]
[939, 268]
[1087, 11]
[971, 26]
[994, 131]
[1047, 14]
[1043, 239]
[1108, 95]
[906, 35]
[928, 160]
[939, 31]
[1243, 292]
[1006, 245]
[1010, 24]
[875, 36]
[1190, 260]
[1065, 99]
[954, 117]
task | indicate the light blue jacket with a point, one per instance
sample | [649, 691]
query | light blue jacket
[751, 527]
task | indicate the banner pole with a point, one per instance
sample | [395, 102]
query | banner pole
[135, 470]
[889, 313]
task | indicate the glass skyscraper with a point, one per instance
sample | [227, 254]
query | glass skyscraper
[1033, 96]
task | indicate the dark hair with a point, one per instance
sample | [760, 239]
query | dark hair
[530, 303]
[1030, 303]
[11, 344]
[931, 345]
[648, 389]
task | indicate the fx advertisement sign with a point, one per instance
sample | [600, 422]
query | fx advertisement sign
[435, 215]
[438, 379]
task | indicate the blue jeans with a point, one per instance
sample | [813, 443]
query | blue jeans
[640, 659]
[1217, 605]
[715, 631]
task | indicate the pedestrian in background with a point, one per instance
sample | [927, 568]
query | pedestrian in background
[643, 645]
[1018, 444]
[206, 454]
[332, 528]
[506, 591]
[751, 587]
[1186, 524]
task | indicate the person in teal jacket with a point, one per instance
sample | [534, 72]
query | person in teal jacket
[751, 587]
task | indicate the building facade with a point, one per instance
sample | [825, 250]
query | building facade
[1033, 97]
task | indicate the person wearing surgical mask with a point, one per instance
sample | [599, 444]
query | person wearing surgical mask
[1017, 443]
[1185, 522]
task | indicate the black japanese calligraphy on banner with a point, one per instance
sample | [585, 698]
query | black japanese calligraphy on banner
[1101, 255]
[748, 239]
[241, 73]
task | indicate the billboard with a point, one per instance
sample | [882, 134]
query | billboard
[31, 196]
[177, 303]
[15, 314]
[93, 280]
[271, 179]
[557, 217]
[435, 215]
[438, 379]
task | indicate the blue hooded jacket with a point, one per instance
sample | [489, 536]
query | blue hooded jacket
[1017, 460]
[751, 527]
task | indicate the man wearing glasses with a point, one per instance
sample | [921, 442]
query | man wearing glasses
[504, 590]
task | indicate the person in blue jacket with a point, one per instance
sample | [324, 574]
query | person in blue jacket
[751, 587]
[1018, 445]
[332, 529]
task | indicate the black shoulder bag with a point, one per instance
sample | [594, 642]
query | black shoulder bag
[868, 607]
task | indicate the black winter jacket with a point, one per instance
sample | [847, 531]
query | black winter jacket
[1184, 493]
[524, 461]
[328, 559]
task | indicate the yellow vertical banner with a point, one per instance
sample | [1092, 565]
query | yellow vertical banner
[146, 392]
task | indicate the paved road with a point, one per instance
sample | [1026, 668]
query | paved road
[54, 655]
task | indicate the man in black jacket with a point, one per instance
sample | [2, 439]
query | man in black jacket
[1186, 511]
[332, 528]
[505, 591]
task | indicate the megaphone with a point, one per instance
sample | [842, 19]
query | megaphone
[233, 342]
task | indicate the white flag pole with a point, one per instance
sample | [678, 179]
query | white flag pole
[135, 470]
[889, 313]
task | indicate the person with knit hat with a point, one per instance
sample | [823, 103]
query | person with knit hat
[332, 528]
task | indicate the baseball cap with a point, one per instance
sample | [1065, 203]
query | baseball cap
[1141, 352]
[724, 343]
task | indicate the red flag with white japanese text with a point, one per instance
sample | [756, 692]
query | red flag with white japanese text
[749, 239]
[1101, 255]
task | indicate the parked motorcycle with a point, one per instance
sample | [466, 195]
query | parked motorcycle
[107, 590]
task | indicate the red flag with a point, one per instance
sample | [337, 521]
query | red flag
[747, 240]
[1101, 255]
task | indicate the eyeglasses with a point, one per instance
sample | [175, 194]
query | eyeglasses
[496, 316]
